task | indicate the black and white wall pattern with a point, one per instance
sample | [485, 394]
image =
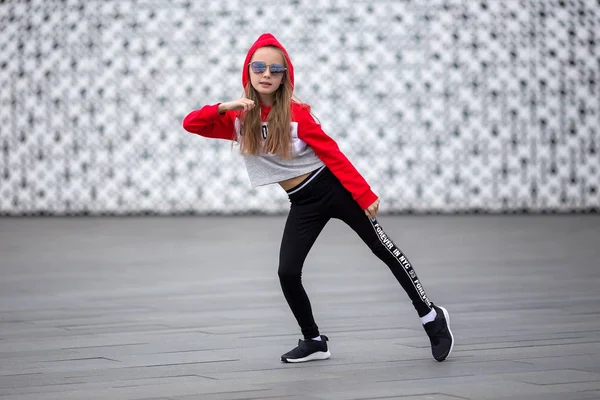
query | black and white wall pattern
[443, 105]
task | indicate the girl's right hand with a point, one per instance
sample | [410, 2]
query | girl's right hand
[239, 104]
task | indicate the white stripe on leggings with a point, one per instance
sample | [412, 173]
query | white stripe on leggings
[424, 297]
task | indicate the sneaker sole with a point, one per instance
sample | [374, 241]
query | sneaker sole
[447, 316]
[319, 355]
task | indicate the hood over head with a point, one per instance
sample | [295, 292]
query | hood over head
[266, 39]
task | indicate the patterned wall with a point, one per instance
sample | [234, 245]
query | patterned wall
[443, 105]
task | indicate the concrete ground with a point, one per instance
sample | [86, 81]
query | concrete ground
[191, 308]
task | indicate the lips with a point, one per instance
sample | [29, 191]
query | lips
[266, 84]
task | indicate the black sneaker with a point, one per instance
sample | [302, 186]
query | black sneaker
[440, 334]
[308, 350]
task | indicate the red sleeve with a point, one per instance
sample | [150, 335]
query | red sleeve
[208, 122]
[328, 151]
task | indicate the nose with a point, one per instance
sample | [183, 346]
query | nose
[267, 72]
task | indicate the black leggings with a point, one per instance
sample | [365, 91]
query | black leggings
[316, 200]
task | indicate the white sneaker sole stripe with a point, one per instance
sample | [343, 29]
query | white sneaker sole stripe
[447, 316]
[318, 355]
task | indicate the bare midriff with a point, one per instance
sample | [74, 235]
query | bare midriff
[293, 182]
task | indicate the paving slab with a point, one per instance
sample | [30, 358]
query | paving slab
[182, 308]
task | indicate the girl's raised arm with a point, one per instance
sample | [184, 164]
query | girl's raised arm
[217, 120]
[208, 122]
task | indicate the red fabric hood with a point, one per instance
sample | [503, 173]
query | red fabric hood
[266, 39]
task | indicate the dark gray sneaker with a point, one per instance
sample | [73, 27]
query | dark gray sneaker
[440, 334]
[308, 350]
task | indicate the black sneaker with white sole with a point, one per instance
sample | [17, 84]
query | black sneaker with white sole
[440, 335]
[308, 350]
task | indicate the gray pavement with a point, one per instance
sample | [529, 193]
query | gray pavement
[190, 308]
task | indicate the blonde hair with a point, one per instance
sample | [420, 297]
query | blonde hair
[279, 139]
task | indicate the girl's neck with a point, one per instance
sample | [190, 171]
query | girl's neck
[266, 101]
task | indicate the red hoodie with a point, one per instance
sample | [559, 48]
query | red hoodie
[208, 122]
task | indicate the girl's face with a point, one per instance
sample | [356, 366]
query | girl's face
[268, 81]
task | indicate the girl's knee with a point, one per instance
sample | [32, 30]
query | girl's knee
[289, 272]
[377, 247]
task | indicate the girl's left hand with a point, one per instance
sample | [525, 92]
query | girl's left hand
[371, 211]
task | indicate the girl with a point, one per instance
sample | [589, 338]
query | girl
[281, 143]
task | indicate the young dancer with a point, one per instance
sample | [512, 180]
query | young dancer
[281, 143]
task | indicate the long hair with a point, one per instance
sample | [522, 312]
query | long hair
[279, 138]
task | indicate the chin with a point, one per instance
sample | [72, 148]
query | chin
[269, 92]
